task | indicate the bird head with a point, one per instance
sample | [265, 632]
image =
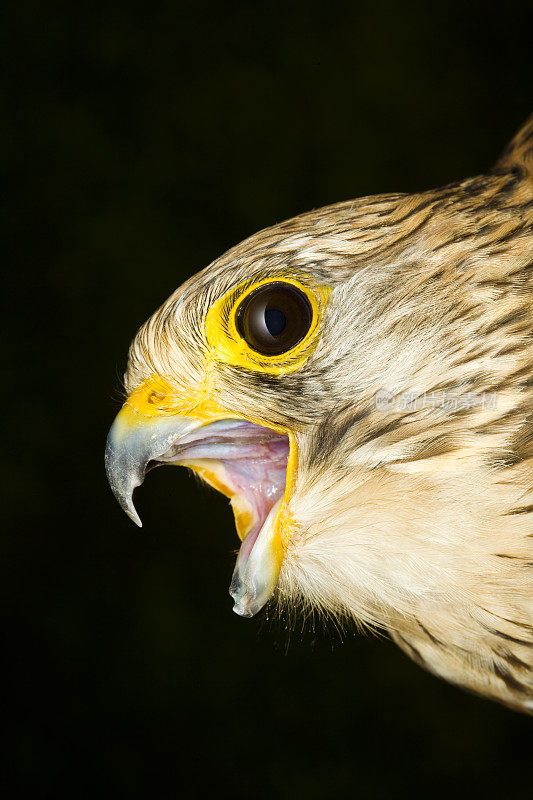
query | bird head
[355, 380]
[234, 376]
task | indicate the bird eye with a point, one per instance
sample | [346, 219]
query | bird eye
[274, 318]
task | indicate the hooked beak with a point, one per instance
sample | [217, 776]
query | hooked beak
[246, 462]
[132, 443]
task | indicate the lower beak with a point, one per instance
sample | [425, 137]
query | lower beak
[138, 441]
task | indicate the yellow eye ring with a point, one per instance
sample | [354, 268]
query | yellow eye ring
[227, 345]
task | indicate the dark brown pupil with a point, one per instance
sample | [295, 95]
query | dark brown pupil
[274, 318]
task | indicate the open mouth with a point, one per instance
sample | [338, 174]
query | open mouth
[245, 461]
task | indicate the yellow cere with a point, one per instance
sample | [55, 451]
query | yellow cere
[228, 346]
[157, 397]
[152, 398]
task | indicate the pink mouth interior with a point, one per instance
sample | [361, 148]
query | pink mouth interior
[254, 461]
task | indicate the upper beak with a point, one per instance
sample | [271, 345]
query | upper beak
[135, 440]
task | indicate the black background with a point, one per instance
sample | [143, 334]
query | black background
[138, 143]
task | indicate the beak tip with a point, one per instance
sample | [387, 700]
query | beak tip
[132, 514]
